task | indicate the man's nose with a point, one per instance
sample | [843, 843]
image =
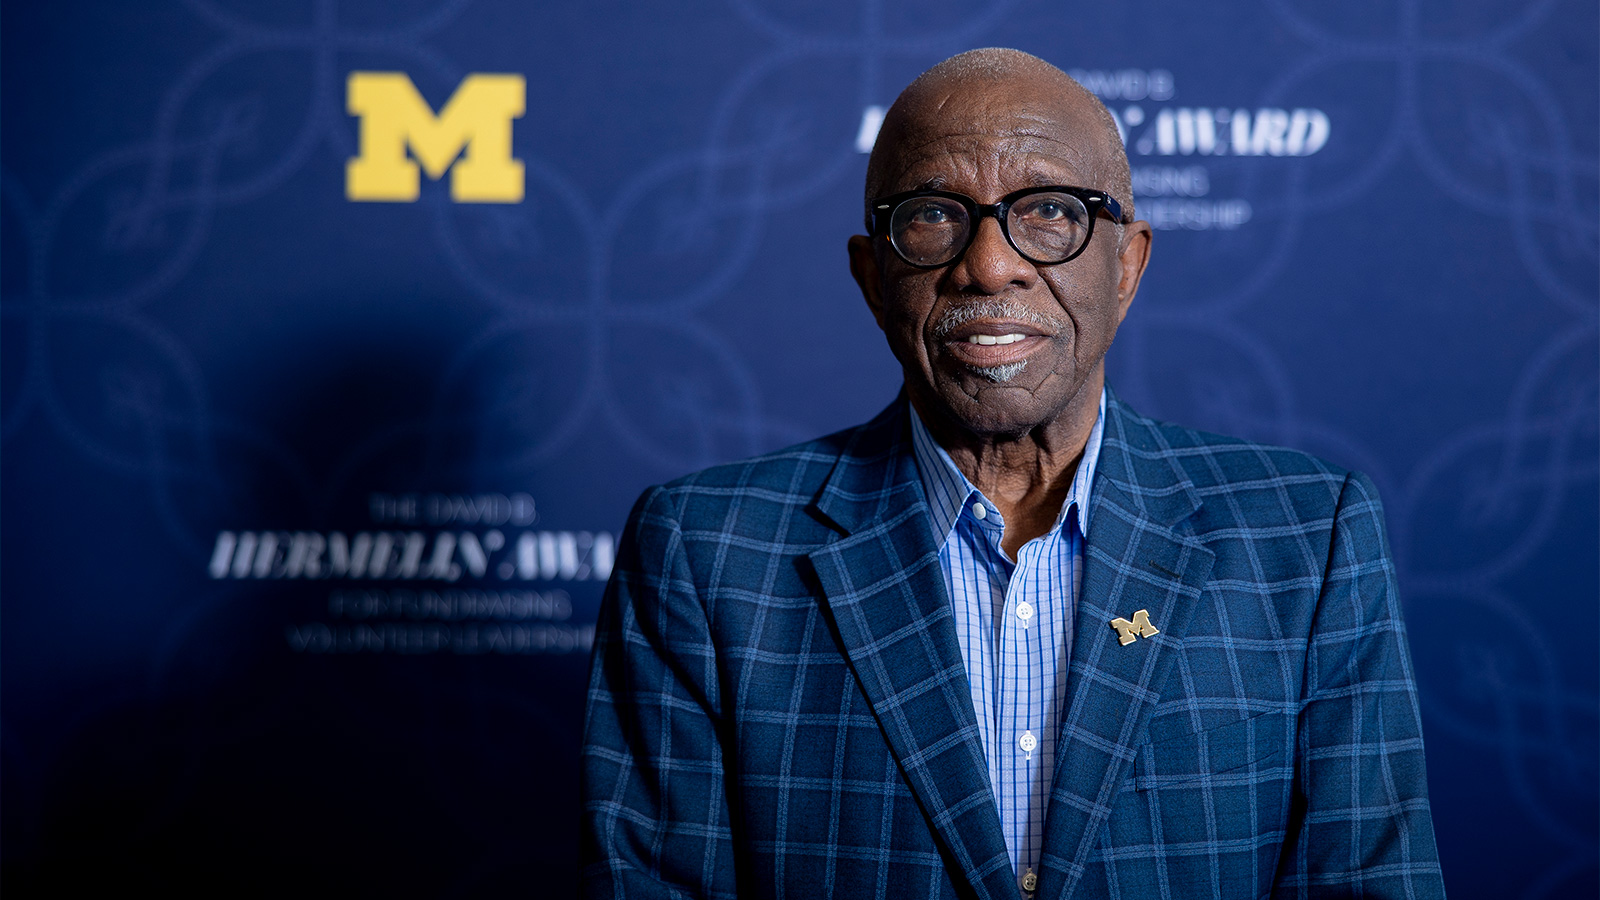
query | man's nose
[991, 263]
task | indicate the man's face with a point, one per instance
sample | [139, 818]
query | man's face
[992, 343]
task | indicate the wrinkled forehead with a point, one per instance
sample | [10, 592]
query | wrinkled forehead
[970, 133]
[1019, 159]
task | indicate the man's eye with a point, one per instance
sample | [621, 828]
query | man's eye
[930, 215]
[1049, 210]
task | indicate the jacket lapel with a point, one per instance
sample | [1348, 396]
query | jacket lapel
[885, 593]
[1139, 556]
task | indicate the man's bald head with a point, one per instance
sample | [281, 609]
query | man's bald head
[1000, 76]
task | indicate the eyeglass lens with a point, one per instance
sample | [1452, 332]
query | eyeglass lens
[1046, 227]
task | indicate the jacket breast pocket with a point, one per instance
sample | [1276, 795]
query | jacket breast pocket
[1243, 752]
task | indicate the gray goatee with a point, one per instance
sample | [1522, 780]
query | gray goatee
[1000, 374]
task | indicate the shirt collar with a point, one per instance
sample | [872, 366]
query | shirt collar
[948, 491]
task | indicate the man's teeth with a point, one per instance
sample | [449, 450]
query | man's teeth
[987, 339]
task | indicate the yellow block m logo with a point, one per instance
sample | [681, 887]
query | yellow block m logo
[1140, 627]
[476, 119]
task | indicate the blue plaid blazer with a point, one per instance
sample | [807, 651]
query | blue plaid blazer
[778, 706]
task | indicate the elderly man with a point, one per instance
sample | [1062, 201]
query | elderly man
[1009, 637]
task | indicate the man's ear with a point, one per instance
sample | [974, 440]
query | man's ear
[1133, 254]
[864, 267]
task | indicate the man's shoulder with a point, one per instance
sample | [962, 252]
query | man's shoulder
[1211, 457]
[1250, 476]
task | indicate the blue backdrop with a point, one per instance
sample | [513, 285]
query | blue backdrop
[309, 498]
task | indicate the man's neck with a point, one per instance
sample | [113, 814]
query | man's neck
[1026, 476]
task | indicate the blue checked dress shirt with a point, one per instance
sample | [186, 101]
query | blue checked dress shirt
[1014, 623]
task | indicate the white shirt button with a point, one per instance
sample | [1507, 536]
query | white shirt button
[979, 510]
[1024, 610]
[1028, 742]
[1029, 881]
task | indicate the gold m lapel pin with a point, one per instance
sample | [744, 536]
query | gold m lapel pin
[1128, 632]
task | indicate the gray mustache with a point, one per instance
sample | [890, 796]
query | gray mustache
[992, 308]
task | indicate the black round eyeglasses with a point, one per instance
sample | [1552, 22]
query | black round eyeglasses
[1045, 225]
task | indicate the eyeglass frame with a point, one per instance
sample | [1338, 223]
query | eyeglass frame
[1094, 201]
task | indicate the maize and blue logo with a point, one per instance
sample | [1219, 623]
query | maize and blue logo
[470, 138]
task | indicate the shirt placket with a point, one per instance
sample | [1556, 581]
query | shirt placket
[1022, 634]
[1018, 731]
